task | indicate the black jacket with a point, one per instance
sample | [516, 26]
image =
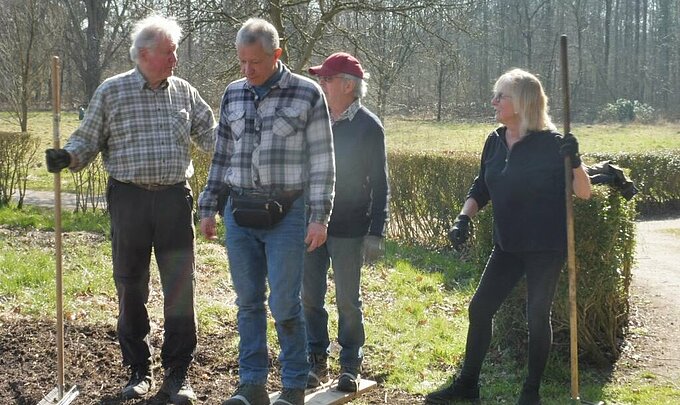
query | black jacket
[526, 189]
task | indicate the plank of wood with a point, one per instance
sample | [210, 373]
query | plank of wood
[329, 394]
[52, 397]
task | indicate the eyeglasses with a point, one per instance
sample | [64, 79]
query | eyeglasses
[499, 96]
[326, 79]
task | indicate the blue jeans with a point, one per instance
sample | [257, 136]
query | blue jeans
[276, 255]
[347, 258]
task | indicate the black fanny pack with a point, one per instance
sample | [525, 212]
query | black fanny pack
[261, 211]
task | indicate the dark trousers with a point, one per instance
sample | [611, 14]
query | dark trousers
[503, 271]
[162, 220]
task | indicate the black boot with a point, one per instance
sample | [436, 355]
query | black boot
[529, 396]
[458, 390]
[318, 372]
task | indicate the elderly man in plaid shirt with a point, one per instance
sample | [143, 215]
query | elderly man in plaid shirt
[274, 150]
[143, 121]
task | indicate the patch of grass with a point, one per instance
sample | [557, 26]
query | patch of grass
[643, 392]
[40, 124]
[43, 218]
[28, 269]
[23, 271]
[416, 327]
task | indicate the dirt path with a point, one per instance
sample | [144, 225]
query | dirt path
[46, 199]
[655, 297]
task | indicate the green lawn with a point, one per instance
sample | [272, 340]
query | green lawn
[418, 136]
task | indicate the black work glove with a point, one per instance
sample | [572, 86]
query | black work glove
[57, 159]
[569, 147]
[460, 231]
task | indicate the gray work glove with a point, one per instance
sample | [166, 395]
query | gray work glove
[460, 232]
[374, 248]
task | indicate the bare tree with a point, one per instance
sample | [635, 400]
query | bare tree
[24, 49]
[97, 30]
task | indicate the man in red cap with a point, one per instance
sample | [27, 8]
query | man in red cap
[358, 221]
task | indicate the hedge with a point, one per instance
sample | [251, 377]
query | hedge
[17, 155]
[427, 193]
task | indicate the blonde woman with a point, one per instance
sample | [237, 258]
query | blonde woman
[522, 174]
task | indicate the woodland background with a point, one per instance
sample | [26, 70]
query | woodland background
[433, 59]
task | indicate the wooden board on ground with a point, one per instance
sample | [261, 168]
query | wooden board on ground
[329, 394]
[53, 397]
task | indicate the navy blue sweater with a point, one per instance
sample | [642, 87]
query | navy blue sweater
[361, 187]
[526, 188]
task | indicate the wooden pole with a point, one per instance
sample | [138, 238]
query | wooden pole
[571, 252]
[56, 118]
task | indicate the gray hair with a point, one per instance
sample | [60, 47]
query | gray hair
[360, 85]
[150, 31]
[258, 30]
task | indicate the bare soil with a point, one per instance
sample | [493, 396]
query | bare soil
[92, 362]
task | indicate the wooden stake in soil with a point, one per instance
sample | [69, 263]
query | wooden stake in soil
[57, 395]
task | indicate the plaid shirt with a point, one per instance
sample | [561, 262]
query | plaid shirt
[144, 134]
[350, 112]
[281, 142]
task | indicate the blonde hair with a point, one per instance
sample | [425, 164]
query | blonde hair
[528, 99]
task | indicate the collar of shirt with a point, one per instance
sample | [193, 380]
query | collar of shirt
[350, 112]
[284, 79]
[143, 84]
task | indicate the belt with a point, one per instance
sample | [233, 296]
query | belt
[151, 186]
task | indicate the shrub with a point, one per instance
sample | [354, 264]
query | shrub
[624, 110]
[17, 155]
[427, 194]
[90, 186]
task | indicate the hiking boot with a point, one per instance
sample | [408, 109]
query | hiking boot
[318, 373]
[176, 388]
[349, 379]
[529, 396]
[456, 391]
[249, 394]
[140, 383]
[291, 396]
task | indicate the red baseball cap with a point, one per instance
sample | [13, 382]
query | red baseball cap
[340, 62]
